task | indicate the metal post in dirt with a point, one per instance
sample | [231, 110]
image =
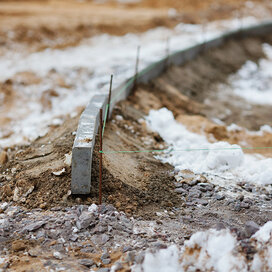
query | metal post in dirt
[100, 156]
[109, 99]
[136, 67]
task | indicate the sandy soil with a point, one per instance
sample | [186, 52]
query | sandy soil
[58, 23]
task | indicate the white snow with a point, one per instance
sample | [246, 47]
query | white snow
[212, 250]
[193, 152]
[86, 70]
[161, 261]
[253, 82]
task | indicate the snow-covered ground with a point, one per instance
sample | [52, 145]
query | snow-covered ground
[194, 152]
[253, 82]
[212, 250]
[85, 71]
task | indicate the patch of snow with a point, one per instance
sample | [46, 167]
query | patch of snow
[193, 152]
[254, 80]
[161, 261]
[212, 250]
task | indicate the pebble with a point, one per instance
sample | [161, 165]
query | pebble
[219, 197]
[127, 248]
[245, 205]
[202, 202]
[34, 226]
[106, 261]
[181, 191]
[251, 227]
[57, 255]
[193, 182]
[86, 262]
[18, 245]
[195, 193]
[103, 270]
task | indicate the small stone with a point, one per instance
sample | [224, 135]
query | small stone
[181, 191]
[202, 202]
[106, 261]
[43, 205]
[201, 188]
[57, 255]
[245, 205]
[33, 253]
[86, 262]
[193, 182]
[251, 228]
[34, 226]
[177, 184]
[237, 207]
[3, 157]
[103, 270]
[195, 193]
[18, 245]
[85, 220]
[127, 248]
[105, 255]
[219, 197]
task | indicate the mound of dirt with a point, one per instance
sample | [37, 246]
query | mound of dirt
[38, 176]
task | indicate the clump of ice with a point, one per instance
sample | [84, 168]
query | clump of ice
[193, 152]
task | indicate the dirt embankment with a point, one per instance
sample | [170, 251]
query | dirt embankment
[59, 23]
[137, 183]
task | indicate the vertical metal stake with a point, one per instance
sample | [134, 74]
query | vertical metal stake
[136, 67]
[100, 157]
[109, 100]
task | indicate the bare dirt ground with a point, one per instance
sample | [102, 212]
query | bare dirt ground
[167, 211]
[59, 23]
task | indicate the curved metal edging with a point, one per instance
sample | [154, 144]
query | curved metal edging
[89, 121]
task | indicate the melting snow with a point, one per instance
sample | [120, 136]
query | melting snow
[253, 81]
[212, 250]
[194, 152]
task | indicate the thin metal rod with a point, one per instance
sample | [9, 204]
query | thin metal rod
[109, 100]
[137, 66]
[100, 157]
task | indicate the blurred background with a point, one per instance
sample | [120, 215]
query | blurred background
[56, 54]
